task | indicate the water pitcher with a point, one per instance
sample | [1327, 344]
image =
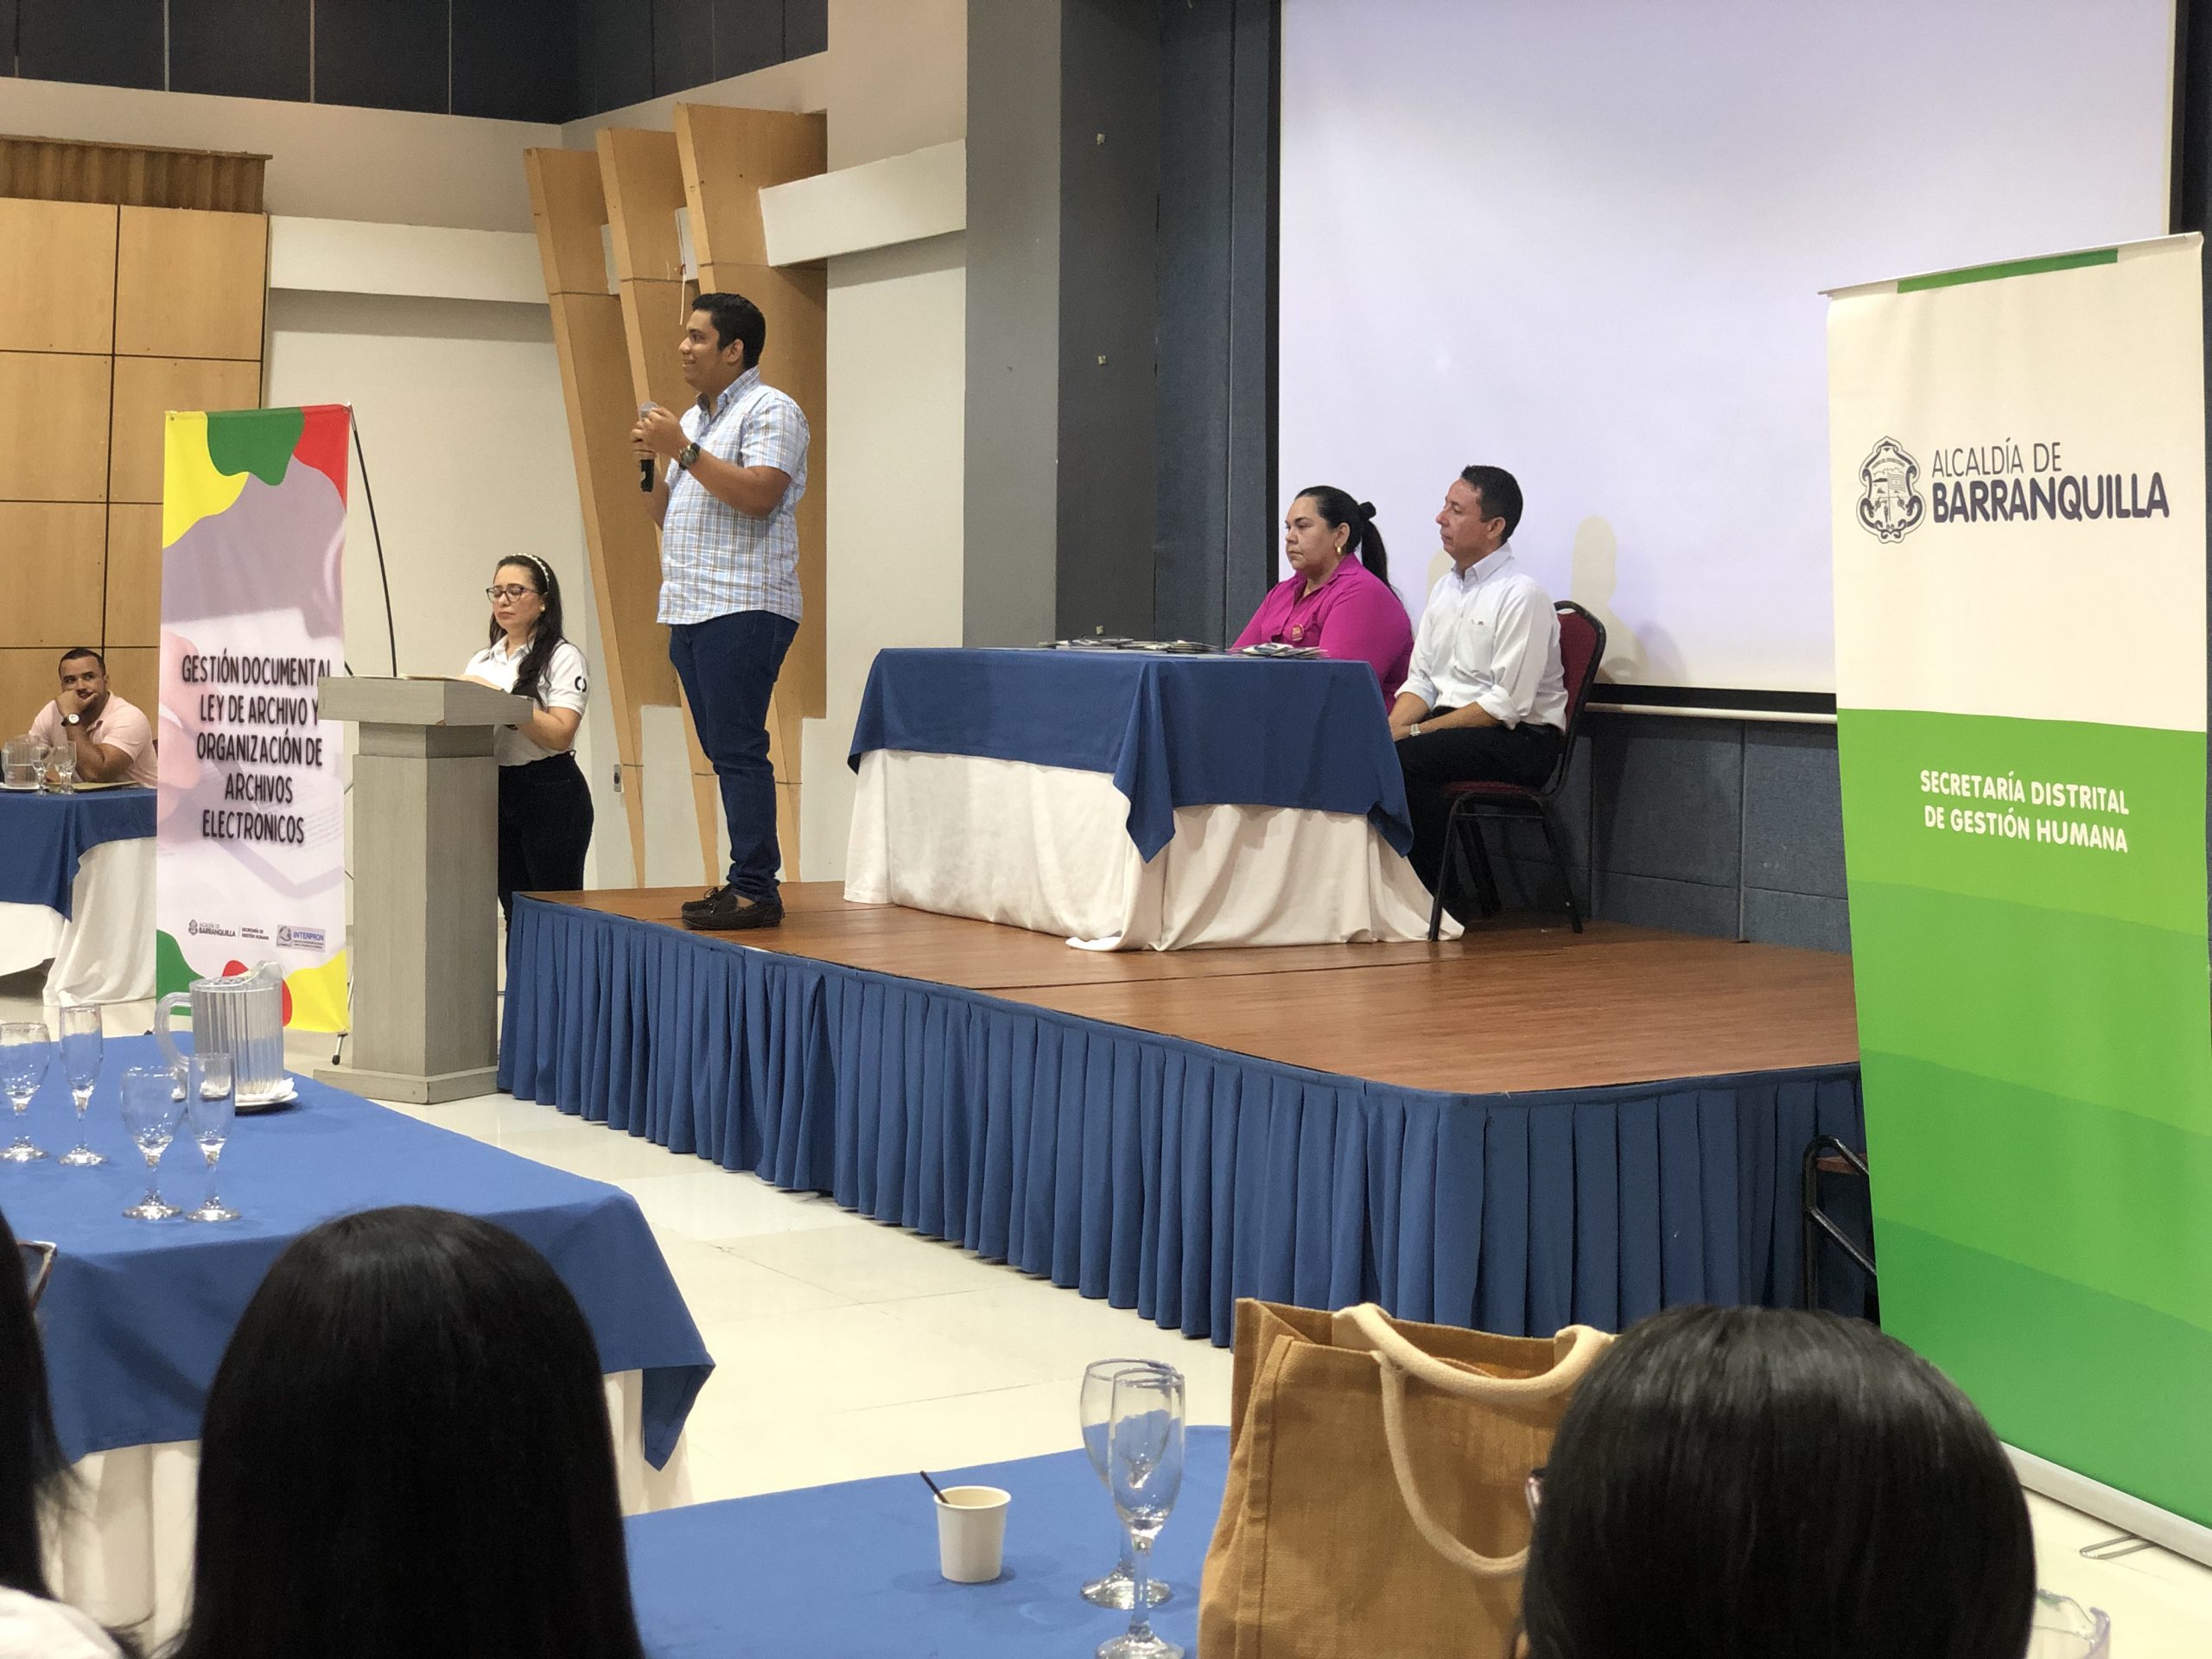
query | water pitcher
[239, 1014]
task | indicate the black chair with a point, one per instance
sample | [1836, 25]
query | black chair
[1581, 648]
[1828, 1156]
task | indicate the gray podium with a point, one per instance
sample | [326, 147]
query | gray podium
[425, 941]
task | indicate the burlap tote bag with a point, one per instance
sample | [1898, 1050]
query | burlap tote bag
[1378, 1497]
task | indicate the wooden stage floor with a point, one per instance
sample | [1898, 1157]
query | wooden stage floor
[1521, 1003]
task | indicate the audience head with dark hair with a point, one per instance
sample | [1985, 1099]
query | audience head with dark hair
[406, 1451]
[1746, 1483]
[33, 1477]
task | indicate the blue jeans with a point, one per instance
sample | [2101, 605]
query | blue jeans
[728, 666]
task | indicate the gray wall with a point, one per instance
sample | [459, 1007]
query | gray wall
[1729, 828]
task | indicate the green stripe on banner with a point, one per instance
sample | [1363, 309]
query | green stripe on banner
[2009, 268]
[2110, 1013]
[2059, 1368]
[2107, 1199]
[2111, 821]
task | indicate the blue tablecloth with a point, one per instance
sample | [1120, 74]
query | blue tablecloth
[1172, 731]
[851, 1570]
[138, 1313]
[42, 837]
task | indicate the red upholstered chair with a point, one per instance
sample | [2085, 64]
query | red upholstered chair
[1581, 648]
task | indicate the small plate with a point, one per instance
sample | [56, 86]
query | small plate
[284, 1096]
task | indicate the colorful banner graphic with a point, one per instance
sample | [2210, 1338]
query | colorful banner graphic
[250, 864]
[2017, 469]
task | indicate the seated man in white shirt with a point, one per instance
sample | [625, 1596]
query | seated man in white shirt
[1486, 698]
[113, 741]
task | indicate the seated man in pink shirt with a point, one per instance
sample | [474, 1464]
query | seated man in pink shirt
[1339, 599]
[113, 741]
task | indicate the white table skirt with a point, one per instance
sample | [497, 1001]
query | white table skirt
[123, 1552]
[103, 950]
[1048, 849]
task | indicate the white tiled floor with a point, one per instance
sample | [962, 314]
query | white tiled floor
[845, 1349]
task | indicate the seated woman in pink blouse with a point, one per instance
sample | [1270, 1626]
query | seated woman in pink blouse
[1338, 598]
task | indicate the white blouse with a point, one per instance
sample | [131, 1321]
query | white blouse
[564, 686]
[33, 1629]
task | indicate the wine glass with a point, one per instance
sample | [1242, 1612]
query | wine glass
[26, 1051]
[82, 1042]
[209, 1105]
[1144, 1471]
[1096, 1409]
[150, 1109]
[63, 757]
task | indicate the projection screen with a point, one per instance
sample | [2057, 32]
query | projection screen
[1587, 242]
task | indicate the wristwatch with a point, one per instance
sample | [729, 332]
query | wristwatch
[1413, 730]
[73, 720]
[686, 456]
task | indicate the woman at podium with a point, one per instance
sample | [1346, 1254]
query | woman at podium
[1339, 600]
[544, 803]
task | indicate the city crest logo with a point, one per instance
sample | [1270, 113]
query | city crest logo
[1891, 506]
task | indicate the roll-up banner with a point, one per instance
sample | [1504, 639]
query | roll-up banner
[2018, 472]
[250, 861]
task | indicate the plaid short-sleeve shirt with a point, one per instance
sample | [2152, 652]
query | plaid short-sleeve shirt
[714, 559]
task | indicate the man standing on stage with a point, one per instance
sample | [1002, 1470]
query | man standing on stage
[1486, 697]
[726, 505]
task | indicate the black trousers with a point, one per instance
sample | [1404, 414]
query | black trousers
[544, 828]
[1497, 754]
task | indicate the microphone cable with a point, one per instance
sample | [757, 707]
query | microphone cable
[384, 576]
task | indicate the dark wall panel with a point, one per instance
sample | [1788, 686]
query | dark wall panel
[389, 55]
[1196, 128]
[1109, 195]
[748, 36]
[117, 43]
[806, 27]
[615, 54]
[683, 45]
[516, 59]
[240, 48]
[1215, 535]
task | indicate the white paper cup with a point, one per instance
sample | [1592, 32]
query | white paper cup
[971, 1533]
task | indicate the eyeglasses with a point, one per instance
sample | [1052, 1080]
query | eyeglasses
[497, 594]
[38, 1266]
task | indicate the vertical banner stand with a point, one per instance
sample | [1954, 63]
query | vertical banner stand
[2018, 472]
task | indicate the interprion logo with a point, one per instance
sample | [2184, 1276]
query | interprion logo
[300, 938]
[1890, 506]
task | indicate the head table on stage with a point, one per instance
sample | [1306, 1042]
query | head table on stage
[77, 889]
[852, 1569]
[136, 1313]
[1127, 799]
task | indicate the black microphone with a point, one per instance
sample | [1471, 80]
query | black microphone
[646, 462]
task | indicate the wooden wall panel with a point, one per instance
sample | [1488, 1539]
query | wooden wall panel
[134, 674]
[190, 284]
[54, 427]
[29, 676]
[653, 317]
[51, 560]
[59, 170]
[643, 182]
[134, 574]
[57, 276]
[626, 562]
[146, 389]
[569, 210]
